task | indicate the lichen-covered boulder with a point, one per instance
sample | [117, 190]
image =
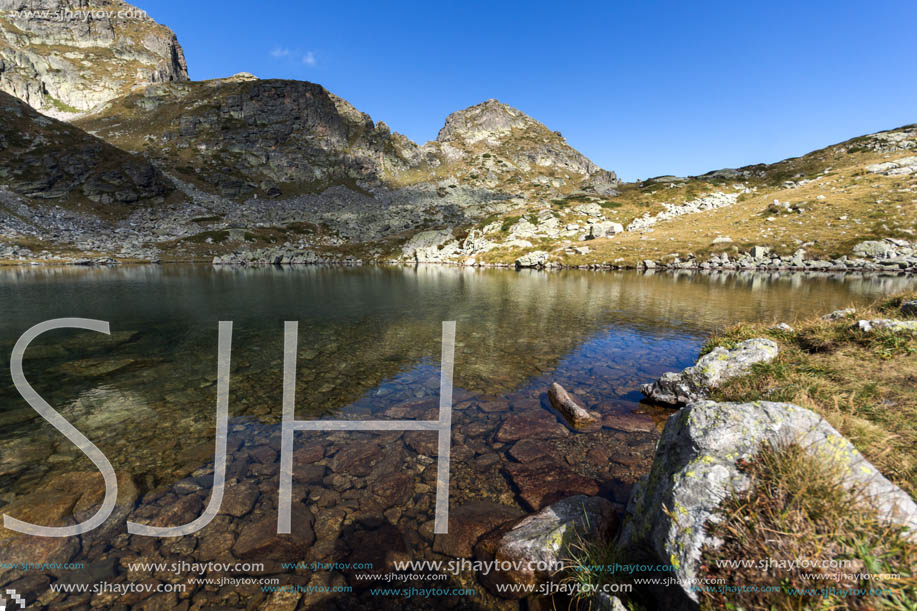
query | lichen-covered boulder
[695, 468]
[536, 547]
[896, 326]
[711, 370]
[533, 259]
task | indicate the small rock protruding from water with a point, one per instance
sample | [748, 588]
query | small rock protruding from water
[572, 411]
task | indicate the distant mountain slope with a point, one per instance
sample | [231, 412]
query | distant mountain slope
[44, 159]
[241, 137]
[65, 57]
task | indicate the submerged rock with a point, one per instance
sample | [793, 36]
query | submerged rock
[468, 523]
[543, 482]
[695, 469]
[711, 370]
[575, 413]
[538, 545]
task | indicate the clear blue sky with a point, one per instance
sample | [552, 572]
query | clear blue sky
[642, 88]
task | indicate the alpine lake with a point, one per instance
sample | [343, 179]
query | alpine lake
[369, 348]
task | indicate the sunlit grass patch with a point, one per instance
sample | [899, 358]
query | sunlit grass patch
[798, 508]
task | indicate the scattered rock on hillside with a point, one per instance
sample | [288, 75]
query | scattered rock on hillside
[572, 411]
[47, 159]
[909, 308]
[896, 326]
[899, 167]
[711, 370]
[840, 314]
[537, 258]
[696, 468]
[549, 537]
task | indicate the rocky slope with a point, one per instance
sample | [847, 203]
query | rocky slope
[64, 57]
[46, 159]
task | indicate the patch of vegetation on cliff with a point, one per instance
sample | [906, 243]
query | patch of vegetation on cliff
[797, 508]
[863, 384]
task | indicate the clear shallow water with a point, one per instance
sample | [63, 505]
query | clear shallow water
[368, 347]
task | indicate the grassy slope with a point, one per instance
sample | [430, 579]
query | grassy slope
[875, 206]
[865, 385]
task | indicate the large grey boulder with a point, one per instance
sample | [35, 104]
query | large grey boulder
[711, 370]
[533, 259]
[603, 229]
[695, 469]
[538, 545]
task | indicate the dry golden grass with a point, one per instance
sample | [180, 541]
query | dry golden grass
[865, 385]
[799, 508]
[857, 206]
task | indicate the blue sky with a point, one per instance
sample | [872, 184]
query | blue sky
[641, 88]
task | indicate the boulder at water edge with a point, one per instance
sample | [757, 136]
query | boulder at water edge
[695, 468]
[711, 370]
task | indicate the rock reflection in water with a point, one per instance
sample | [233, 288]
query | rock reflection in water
[369, 344]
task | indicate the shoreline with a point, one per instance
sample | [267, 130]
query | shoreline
[815, 267]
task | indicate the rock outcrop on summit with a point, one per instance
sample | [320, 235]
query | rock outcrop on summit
[498, 146]
[65, 57]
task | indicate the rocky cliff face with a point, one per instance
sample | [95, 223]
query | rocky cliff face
[64, 57]
[45, 159]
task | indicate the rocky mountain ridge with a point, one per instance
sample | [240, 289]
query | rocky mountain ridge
[65, 57]
[233, 168]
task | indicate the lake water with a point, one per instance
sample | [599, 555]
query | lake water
[369, 346]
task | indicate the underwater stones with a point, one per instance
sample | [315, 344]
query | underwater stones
[422, 442]
[468, 523]
[239, 499]
[696, 467]
[379, 548]
[534, 424]
[357, 458]
[529, 450]
[25, 549]
[544, 481]
[393, 490]
[574, 413]
[259, 539]
[629, 422]
[711, 370]
[308, 454]
[536, 546]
